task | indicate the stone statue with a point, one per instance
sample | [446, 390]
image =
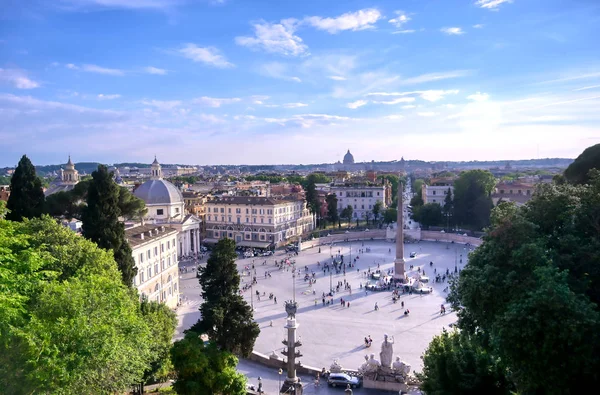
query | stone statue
[387, 351]
[401, 368]
[373, 364]
[365, 366]
[290, 308]
[335, 367]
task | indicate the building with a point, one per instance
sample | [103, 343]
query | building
[348, 158]
[154, 250]
[362, 198]
[4, 192]
[518, 193]
[166, 206]
[66, 180]
[436, 192]
[254, 221]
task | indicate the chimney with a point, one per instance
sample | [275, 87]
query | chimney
[162, 228]
[150, 233]
[142, 236]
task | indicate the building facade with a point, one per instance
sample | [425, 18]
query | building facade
[517, 192]
[166, 206]
[436, 192]
[154, 250]
[362, 198]
[259, 222]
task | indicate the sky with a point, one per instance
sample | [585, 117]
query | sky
[289, 81]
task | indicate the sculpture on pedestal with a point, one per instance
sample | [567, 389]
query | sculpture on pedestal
[336, 367]
[387, 351]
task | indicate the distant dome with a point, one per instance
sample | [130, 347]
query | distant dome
[159, 192]
[348, 158]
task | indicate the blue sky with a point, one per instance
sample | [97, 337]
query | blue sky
[266, 81]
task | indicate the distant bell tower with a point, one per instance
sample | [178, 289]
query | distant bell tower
[156, 171]
[69, 175]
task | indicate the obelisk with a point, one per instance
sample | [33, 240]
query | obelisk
[399, 261]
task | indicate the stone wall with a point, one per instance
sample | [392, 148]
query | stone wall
[450, 237]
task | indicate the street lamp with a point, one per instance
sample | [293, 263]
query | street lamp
[280, 372]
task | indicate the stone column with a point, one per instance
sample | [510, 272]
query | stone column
[291, 342]
[399, 261]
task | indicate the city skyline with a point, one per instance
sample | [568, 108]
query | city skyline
[226, 82]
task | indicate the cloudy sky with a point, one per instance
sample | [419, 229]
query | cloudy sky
[289, 81]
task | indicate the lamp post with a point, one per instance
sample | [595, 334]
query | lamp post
[280, 372]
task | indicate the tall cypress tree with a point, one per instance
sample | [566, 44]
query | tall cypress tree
[101, 221]
[26, 198]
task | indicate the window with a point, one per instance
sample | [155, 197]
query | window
[229, 219]
[222, 218]
[149, 272]
[168, 244]
[156, 269]
[222, 210]
[162, 247]
[377, 193]
[238, 220]
[141, 277]
[247, 219]
[174, 243]
[434, 192]
[169, 261]
[229, 210]
[155, 251]
[247, 211]
[370, 207]
[162, 264]
[363, 206]
[269, 220]
[254, 220]
[159, 211]
[148, 254]
[209, 217]
[177, 210]
[216, 234]
[238, 210]
[141, 258]
[262, 220]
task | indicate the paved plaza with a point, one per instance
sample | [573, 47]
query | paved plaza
[332, 331]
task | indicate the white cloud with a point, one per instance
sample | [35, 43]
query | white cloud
[215, 102]
[337, 78]
[406, 31]
[277, 70]
[162, 104]
[275, 38]
[400, 19]
[359, 20]
[491, 4]
[258, 99]
[294, 105]
[394, 117]
[207, 55]
[92, 68]
[356, 104]
[427, 114]
[478, 26]
[17, 78]
[396, 101]
[587, 87]
[435, 77]
[452, 31]
[71, 66]
[108, 97]
[431, 95]
[409, 106]
[478, 96]
[155, 70]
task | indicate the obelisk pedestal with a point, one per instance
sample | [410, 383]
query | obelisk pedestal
[291, 385]
[399, 261]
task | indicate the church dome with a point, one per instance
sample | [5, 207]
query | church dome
[348, 158]
[159, 192]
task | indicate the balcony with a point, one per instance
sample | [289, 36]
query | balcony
[297, 354]
[298, 343]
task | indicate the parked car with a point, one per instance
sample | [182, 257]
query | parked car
[248, 254]
[342, 380]
[413, 254]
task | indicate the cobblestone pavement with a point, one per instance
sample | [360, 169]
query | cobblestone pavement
[332, 331]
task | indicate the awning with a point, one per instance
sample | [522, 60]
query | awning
[210, 241]
[253, 244]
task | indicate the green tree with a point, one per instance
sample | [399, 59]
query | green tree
[390, 215]
[131, 206]
[226, 317]
[472, 201]
[535, 278]
[67, 323]
[312, 197]
[162, 322]
[347, 214]
[456, 363]
[428, 215]
[377, 207]
[101, 221]
[578, 172]
[204, 369]
[26, 198]
[332, 209]
[393, 180]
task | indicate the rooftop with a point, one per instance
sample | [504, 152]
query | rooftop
[149, 232]
[253, 200]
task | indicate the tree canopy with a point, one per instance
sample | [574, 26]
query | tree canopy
[101, 221]
[226, 317]
[26, 198]
[472, 200]
[578, 172]
[67, 323]
[532, 289]
[428, 215]
[332, 210]
[203, 369]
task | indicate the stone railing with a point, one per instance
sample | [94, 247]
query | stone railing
[450, 237]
